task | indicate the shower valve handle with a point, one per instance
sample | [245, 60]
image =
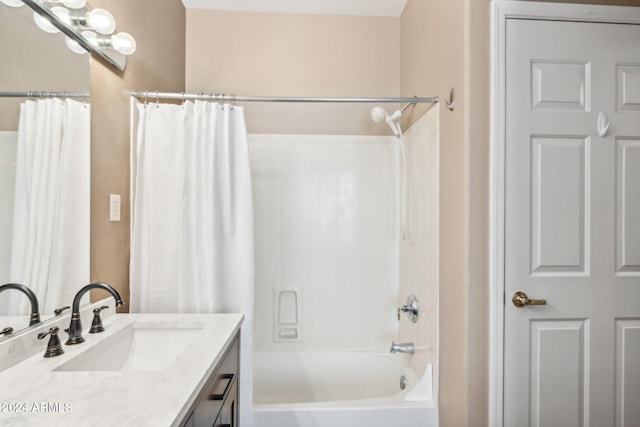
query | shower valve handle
[411, 308]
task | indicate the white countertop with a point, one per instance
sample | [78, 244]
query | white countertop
[33, 394]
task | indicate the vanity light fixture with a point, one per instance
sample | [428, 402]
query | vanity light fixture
[98, 20]
[86, 29]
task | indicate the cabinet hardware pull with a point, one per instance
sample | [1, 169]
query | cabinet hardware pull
[223, 395]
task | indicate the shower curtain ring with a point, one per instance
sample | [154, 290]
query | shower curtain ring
[182, 96]
[146, 98]
[157, 100]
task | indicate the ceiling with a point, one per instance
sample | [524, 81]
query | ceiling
[391, 8]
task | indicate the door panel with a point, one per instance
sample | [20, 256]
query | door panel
[560, 85]
[627, 207]
[558, 202]
[572, 224]
[559, 384]
[628, 87]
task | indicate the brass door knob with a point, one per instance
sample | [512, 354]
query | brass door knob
[520, 299]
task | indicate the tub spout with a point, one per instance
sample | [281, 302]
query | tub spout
[34, 318]
[75, 328]
[406, 347]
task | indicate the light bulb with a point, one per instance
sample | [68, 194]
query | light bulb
[101, 21]
[44, 24]
[74, 4]
[74, 46]
[13, 3]
[62, 13]
[123, 43]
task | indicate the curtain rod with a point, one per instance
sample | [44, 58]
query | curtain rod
[155, 96]
[45, 94]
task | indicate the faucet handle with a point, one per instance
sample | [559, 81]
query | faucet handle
[99, 309]
[96, 324]
[54, 347]
[58, 311]
[411, 308]
[6, 331]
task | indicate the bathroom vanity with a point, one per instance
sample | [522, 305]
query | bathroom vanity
[144, 370]
[218, 400]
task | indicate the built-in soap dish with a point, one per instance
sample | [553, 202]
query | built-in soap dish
[287, 325]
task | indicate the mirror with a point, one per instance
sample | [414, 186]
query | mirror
[53, 168]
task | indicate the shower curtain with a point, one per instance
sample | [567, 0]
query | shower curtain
[192, 232]
[50, 239]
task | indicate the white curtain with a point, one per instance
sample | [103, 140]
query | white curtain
[50, 241]
[192, 235]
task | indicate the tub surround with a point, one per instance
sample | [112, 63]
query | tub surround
[35, 393]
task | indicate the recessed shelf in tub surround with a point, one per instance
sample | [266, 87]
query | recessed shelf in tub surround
[63, 390]
[287, 310]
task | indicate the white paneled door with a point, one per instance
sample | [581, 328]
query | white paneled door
[572, 221]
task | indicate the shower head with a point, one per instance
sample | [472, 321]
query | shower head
[378, 113]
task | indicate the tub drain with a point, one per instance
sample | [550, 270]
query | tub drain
[403, 382]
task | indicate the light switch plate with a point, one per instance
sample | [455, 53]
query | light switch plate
[114, 207]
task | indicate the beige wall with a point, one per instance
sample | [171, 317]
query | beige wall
[158, 64]
[445, 43]
[296, 55]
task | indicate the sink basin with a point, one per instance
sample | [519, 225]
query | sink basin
[136, 348]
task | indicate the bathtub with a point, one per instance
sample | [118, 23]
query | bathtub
[338, 389]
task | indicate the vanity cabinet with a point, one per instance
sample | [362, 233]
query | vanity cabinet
[217, 403]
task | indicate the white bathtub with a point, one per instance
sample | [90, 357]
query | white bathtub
[336, 389]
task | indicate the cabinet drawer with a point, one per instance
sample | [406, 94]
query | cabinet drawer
[220, 386]
[228, 416]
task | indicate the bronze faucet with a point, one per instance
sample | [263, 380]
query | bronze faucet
[75, 328]
[35, 311]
